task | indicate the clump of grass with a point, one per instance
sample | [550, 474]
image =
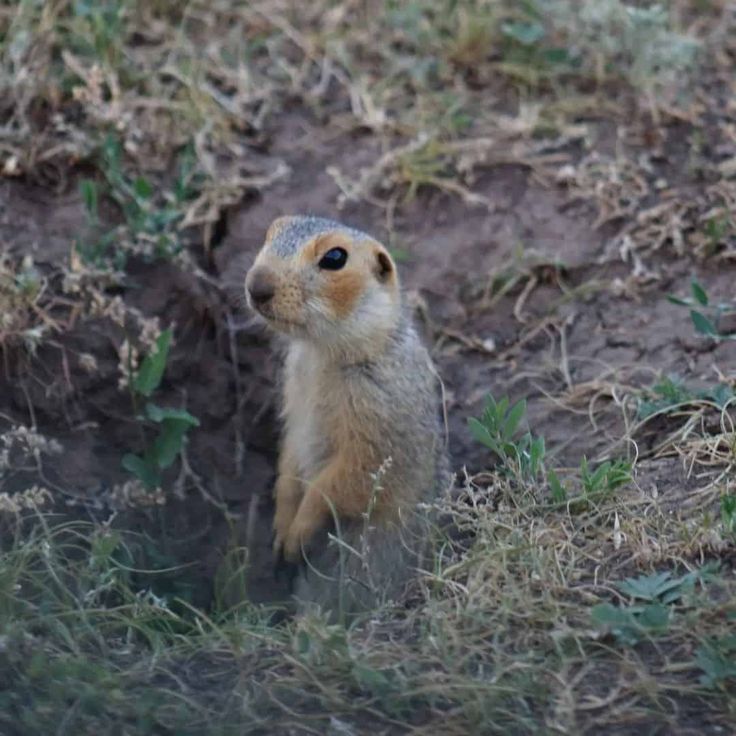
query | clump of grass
[617, 38]
[151, 223]
[81, 646]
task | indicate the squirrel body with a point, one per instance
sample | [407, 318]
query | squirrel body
[362, 443]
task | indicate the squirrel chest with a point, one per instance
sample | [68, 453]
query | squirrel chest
[312, 403]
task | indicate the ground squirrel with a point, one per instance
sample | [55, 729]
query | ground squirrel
[363, 442]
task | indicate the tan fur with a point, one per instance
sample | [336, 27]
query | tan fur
[288, 492]
[343, 292]
[343, 485]
[359, 392]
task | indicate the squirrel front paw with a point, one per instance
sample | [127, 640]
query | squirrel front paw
[281, 523]
[296, 539]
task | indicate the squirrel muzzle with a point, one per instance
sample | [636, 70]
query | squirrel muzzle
[260, 286]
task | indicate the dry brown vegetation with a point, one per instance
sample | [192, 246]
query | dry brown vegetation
[548, 174]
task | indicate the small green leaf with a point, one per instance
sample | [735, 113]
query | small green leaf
[111, 153]
[557, 56]
[703, 324]
[512, 420]
[728, 513]
[480, 433]
[536, 455]
[599, 474]
[149, 376]
[662, 588]
[618, 621]
[629, 624]
[559, 493]
[654, 618]
[142, 187]
[527, 34]
[167, 445]
[303, 642]
[619, 474]
[88, 189]
[720, 394]
[648, 587]
[142, 470]
[679, 302]
[699, 293]
[374, 681]
[159, 413]
[717, 659]
[496, 429]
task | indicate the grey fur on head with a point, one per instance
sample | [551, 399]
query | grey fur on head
[298, 230]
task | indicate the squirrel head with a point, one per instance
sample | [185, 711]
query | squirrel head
[322, 281]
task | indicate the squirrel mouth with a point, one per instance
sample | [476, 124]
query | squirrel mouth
[274, 319]
[280, 323]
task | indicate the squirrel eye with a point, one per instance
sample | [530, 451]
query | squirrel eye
[334, 259]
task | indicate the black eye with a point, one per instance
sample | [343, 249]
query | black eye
[334, 259]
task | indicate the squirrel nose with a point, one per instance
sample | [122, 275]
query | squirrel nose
[260, 285]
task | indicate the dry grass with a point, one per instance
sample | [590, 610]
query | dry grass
[500, 635]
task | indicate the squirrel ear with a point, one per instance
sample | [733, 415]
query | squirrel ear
[384, 265]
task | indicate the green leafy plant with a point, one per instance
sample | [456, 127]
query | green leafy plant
[607, 477]
[526, 33]
[670, 392]
[705, 315]
[651, 612]
[151, 220]
[716, 657]
[629, 625]
[172, 424]
[519, 453]
[594, 484]
[662, 586]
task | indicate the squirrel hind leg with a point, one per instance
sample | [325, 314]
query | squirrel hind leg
[363, 570]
